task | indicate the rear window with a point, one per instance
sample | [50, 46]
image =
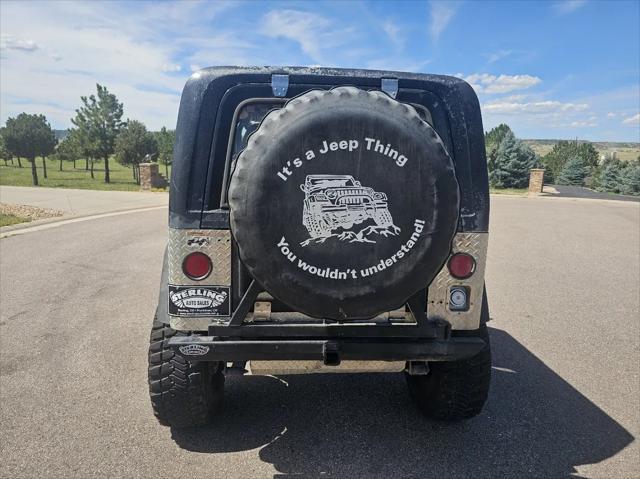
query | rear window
[248, 119]
[250, 116]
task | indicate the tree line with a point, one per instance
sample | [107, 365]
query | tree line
[98, 133]
[568, 163]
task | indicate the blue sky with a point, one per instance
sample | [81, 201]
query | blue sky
[554, 69]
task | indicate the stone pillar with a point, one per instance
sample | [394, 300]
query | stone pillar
[148, 171]
[536, 181]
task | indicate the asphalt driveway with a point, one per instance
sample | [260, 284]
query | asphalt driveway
[563, 284]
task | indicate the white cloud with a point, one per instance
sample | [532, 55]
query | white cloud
[536, 107]
[513, 98]
[568, 6]
[611, 115]
[632, 120]
[393, 31]
[134, 50]
[171, 67]
[486, 83]
[441, 14]
[314, 33]
[397, 64]
[582, 123]
[9, 42]
[499, 55]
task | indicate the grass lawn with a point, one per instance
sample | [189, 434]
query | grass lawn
[121, 176]
[6, 220]
[509, 191]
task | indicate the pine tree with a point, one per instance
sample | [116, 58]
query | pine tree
[492, 140]
[630, 180]
[573, 173]
[511, 165]
[100, 120]
[610, 178]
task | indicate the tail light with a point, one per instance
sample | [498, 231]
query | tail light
[461, 265]
[196, 266]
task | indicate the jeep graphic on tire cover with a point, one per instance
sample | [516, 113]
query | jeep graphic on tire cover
[344, 203]
[335, 204]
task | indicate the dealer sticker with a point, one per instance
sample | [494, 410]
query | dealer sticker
[199, 300]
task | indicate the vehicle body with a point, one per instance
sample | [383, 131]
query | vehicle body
[224, 320]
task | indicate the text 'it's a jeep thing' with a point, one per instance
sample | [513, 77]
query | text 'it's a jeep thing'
[324, 220]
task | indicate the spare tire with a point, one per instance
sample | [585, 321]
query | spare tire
[344, 203]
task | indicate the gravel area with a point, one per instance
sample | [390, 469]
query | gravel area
[30, 212]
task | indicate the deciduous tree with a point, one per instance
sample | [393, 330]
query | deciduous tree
[4, 153]
[68, 150]
[165, 139]
[133, 143]
[30, 136]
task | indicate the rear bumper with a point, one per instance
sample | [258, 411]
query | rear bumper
[330, 351]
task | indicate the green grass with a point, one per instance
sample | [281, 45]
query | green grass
[121, 176]
[509, 191]
[7, 220]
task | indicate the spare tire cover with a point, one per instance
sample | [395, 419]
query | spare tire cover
[344, 203]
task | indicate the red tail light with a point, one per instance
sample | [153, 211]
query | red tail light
[196, 266]
[461, 265]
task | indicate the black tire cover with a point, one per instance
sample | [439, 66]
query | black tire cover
[344, 203]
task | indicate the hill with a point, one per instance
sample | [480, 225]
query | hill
[624, 151]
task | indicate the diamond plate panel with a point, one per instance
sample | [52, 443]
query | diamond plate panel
[476, 245]
[214, 243]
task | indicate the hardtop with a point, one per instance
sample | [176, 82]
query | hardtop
[213, 98]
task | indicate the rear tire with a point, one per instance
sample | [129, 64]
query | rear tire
[455, 390]
[183, 394]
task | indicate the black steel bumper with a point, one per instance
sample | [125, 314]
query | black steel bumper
[330, 351]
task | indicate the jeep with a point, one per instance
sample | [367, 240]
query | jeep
[332, 202]
[324, 220]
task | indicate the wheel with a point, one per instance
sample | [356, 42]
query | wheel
[183, 394]
[455, 390]
[317, 227]
[383, 218]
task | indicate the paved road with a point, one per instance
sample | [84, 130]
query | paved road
[563, 279]
[580, 192]
[81, 202]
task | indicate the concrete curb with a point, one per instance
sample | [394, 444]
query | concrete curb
[48, 223]
[552, 197]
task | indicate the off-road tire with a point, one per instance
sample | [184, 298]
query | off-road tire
[455, 390]
[183, 393]
[383, 218]
[317, 229]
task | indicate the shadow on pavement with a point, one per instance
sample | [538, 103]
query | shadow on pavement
[534, 424]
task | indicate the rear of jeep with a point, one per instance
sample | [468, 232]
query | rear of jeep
[324, 220]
